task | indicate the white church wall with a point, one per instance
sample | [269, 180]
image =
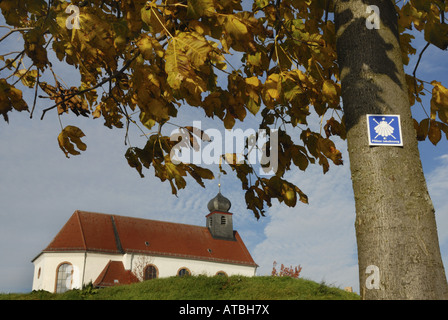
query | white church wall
[85, 266]
[168, 266]
[95, 264]
[46, 266]
[38, 273]
[88, 266]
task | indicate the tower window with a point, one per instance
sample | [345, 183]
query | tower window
[223, 220]
[210, 221]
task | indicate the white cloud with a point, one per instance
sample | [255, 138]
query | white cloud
[319, 236]
[438, 190]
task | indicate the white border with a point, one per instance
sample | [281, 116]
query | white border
[384, 144]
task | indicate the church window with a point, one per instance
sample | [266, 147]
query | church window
[223, 220]
[150, 272]
[183, 272]
[64, 277]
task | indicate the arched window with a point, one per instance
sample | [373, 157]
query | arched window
[150, 272]
[223, 219]
[183, 272]
[64, 277]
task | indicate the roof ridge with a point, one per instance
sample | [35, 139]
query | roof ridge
[82, 230]
[139, 218]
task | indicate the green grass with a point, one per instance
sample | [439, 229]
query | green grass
[202, 288]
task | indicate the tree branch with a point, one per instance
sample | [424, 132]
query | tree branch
[11, 31]
[13, 60]
[35, 94]
[113, 76]
[416, 66]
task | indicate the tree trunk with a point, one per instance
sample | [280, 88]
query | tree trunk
[398, 249]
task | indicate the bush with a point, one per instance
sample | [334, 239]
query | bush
[293, 272]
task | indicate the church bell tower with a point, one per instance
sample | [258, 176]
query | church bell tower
[219, 220]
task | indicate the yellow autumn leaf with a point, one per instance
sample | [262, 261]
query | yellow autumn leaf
[186, 53]
[330, 90]
[437, 34]
[153, 19]
[253, 85]
[439, 101]
[145, 46]
[434, 132]
[198, 8]
[70, 137]
[199, 27]
[271, 91]
[235, 27]
[28, 78]
[423, 5]
[253, 81]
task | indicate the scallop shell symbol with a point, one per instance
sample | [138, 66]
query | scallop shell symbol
[384, 129]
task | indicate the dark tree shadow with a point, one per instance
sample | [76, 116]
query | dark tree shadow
[362, 50]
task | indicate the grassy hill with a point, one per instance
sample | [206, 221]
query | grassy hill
[202, 288]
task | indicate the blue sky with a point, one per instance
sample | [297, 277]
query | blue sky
[40, 189]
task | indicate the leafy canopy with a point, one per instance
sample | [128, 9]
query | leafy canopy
[141, 61]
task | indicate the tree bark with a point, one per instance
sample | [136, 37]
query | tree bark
[395, 220]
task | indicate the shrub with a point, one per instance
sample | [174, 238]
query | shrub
[293, 272]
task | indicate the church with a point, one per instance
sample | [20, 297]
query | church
[108, 250]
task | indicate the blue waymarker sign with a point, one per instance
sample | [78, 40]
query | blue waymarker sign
[384, 130]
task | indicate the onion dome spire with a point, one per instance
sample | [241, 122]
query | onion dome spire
[219, 203]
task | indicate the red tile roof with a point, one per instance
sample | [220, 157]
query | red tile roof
[97, 232]
[115, 274]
